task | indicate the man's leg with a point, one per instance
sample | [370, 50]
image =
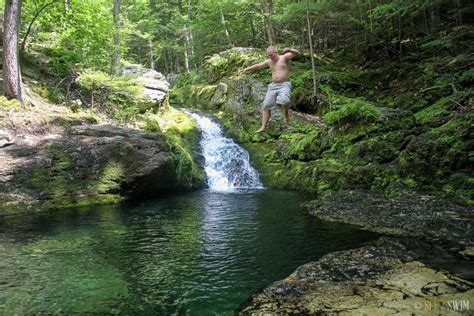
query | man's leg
[265, 118]
[267, 105]
[284, 98]
[286, 107]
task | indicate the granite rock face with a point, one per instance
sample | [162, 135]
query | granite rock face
[155, 85]
[89, 164]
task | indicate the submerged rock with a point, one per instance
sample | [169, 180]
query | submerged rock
[364, 281]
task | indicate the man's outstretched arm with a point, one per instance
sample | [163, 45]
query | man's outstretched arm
[254, 67]
[290, 53]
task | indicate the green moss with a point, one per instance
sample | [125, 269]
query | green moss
[434, 113]
[110, 178]
[182, 134]
[302, 147]
[119, 97]
[61, 160]
[363, 146]
[6, 105]
[38, 178]
[353, 111]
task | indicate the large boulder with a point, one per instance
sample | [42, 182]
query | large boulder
[65, 161]
[155, 85]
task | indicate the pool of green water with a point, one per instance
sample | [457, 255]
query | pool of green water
[197, 253]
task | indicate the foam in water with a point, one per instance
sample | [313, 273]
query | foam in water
[227, 165]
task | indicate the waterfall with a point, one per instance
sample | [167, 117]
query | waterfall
[227, 165]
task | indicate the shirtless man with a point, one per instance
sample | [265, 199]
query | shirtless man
[279, 91]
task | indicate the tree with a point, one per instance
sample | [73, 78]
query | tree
[315, 88]
[11, 66]
[267, 7]
[226, 31]
[37, 14]
[116, 52]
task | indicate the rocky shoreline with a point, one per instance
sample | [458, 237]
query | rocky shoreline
[365, 281]
[426, 270]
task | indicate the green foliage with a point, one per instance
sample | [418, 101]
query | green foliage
[229, 63]
[188, 79]
[353, 112]
[467, 77]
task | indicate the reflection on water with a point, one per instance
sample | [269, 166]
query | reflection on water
[203, 253]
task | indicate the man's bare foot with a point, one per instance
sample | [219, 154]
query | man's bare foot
[261, 129]
[287, 119]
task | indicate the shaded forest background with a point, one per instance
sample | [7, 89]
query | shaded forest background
[177, 36]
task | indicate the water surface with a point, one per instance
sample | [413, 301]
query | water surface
[198, 253]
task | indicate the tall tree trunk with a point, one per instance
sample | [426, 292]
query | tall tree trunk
[165, 61]
[252, 29]
[191, 45]
[225, 29]
[177, 63]
[400, 47]
[116, 53]
[189, 35]
[11, 65]
[186, 54]
[266, 10]
[151, 58]
[458, 12]
[315, 87]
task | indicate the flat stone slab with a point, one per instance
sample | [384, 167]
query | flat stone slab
[402, 214]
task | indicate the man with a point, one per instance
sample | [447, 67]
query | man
[279, 91]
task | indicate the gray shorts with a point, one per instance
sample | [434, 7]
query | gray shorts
[277, 93]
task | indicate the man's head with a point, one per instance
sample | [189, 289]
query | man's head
[272, 53]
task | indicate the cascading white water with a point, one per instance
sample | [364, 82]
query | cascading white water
[227, 165]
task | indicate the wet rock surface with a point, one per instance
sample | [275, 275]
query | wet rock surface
[372, 280]
[404, 213]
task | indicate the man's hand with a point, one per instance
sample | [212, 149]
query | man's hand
[290, 53]
[242, 71]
